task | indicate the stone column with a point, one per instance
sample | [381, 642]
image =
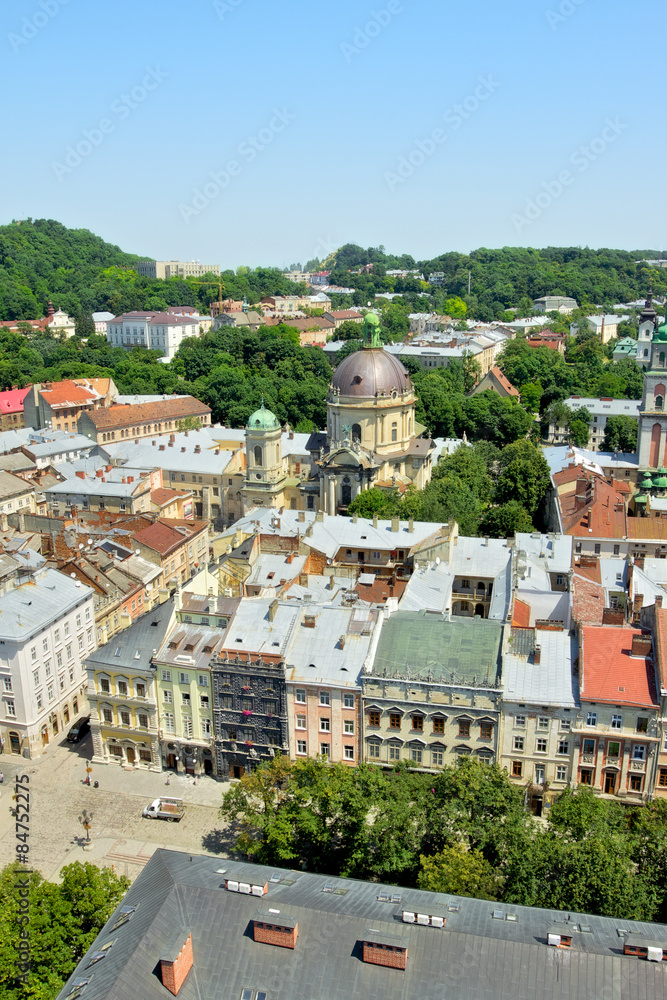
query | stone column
[332, 496]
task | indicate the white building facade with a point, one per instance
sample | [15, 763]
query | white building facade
[47, 629]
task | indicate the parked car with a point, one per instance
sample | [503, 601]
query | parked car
[79, 730]
[172, 810]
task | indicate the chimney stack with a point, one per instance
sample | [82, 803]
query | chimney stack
[273, 608]
[175, 966]
[395, 524]
[537, 656]
[641, 645]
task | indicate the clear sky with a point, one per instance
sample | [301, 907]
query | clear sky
[256, 132]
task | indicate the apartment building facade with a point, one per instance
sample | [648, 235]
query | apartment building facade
[179, 547]
[47, 630]
[142, 419]
[122, 693]
[432, 692]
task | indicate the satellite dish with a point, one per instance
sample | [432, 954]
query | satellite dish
[73, 575]
[90, 541]
[80, 545]
[137, 552]
[437, 560]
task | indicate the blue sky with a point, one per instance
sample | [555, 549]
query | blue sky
[254, 132]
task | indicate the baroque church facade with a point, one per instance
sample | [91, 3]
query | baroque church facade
[372, 439]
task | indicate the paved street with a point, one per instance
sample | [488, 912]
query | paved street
[119, 834]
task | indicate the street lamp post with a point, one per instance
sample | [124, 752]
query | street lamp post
[86, 821]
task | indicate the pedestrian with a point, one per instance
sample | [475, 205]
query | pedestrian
[195, 779]
[2, 777]
[168, 779]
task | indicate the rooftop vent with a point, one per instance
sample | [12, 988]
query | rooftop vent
[434, 918]
[247, 888]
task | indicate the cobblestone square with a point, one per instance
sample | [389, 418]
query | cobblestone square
[119, 834]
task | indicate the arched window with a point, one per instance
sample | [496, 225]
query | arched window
[356, 432]
[659, 393]
[658, 402]
[258, 455]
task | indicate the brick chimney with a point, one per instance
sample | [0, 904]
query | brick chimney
[302, 516]
[108, 468]
[276, 928]
[80, 475]
[99, 473]
[395, 524]
[176, 963]
[641, 645]
[385, 949]
[273, 607]
[537, 655]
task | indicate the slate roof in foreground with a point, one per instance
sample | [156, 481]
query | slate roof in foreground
[477, 956]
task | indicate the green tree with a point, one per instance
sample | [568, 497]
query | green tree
[505, 520]
[460, 872]
[620, 434]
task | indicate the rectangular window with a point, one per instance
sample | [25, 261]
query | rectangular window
[203, 701]
[540, 746]
[35, 677]
[49, 692]
[373, 718]
[348, 726]
[374, 750]
[617, 722]
[565, 725]
[517, 768]
[185, 699]
[464, 729]
[203, 680]
[167, 697]
[300, 696]
[184, 679]
[143, 720]
[325, 725]
[439, 726]
[597, 549]
[348, 700]
[226, 701]
[33, 653]
[348, 753]
[269, 707]
[543, 722]
[56, 635]
[166, 675]
[301, 747]
[325, 749]
[141, 690]
[324, 698]
[437, 758]
[107, 715]
[301, 722]
[636, 782]
[187, 727]
[520, 721]
[586, 777]
[662, 777]
[592, 719]
[122, 689]
[563, 746]
[124, 718]
[45, 645]
[394, 720]
[639, 752]
[561, 773]
[539, 774]
[613, 749]
[418, 722]
[642, 724]
[394, 753]
[588, 746]
[168, 723]
[416, 756]
[66, 628]
[486, 730]
[59, 659]
[518, 743]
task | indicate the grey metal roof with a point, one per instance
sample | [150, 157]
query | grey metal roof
[549, 682]
[334, 650]
[142, 637]
[34, 605]
[475, 957]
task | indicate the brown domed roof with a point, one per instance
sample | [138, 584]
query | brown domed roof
[370, 372]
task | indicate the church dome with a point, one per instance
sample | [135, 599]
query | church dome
[661, 336]
[263, 420]
[371, 372]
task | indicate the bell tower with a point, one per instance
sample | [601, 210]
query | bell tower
[647, 324]
[652, 440]
[264, 479]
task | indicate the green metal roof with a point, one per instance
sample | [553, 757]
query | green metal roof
[463, 650]
[263, 420]
[640, 498]
[660, 482]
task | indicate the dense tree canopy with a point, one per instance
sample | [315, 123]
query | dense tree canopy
[487, 491]
[63, 921]
[464, 831]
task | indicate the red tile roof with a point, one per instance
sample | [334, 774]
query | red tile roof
[163, 536]
[610, 674]
[72, 392]
[521, 614]
[11, 400]
[504, 382]
[126, 415]
[660, 644]
[163, 495]
[594, 508]
[588, 600]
